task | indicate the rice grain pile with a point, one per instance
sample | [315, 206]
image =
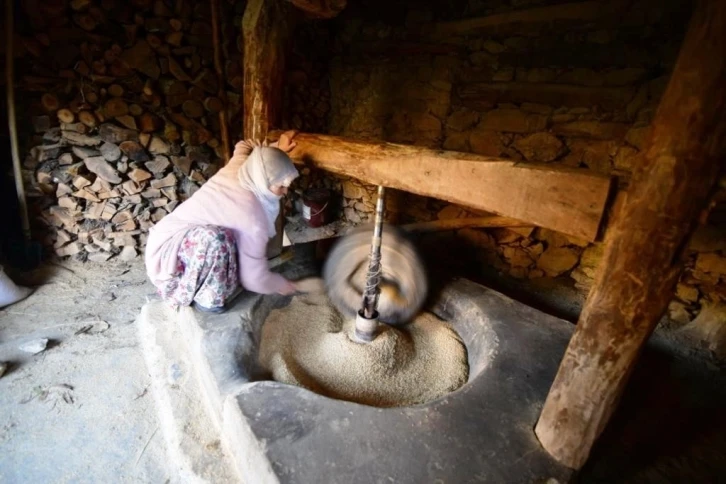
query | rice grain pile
[307, 344]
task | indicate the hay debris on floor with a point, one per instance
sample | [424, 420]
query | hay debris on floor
[308, 344]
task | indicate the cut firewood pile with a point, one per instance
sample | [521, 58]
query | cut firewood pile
[127, 120]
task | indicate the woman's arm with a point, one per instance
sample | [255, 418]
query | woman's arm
[254, 273]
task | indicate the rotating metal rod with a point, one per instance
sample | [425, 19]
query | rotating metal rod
[367, 321]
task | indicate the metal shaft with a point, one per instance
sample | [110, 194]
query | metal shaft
[373, 278]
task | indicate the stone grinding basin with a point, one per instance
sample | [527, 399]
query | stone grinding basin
[479, 344]
[482, 431]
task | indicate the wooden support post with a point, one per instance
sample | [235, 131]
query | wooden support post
[265, 26]
[221, 93]
[568, 200]
[645, 246]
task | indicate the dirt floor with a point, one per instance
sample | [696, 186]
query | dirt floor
[83, 410]
[80, 411]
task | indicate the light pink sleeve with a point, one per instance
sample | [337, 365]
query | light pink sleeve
[254, 274]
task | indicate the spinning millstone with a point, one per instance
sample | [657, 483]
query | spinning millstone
[388, 285]
[332, 343]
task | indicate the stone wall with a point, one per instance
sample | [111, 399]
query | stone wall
[119, 115]
[579, 92]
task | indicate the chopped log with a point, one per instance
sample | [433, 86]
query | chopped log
[100, 185]
[463, 223]
[194, 133]
[135, 110]
[571, 201]
[213, 105]
[115, 134]
[134, 151]
[115, 90]
[79, 128]
[138, 175]
[101, 167]
[177, 71]
[87, 118]
[320, 9]
[159, 165]
[70, 249]
[130, 187]
[128, 121]
[62, 190]
[49, 102]
[149, 123]
[174, 38]
[81, 182]
[266, 26]
[115, 107]
[151, 193]
[193, 109]
[142, 58]
[222, 94]
[644, 250]
[110, 152]
[176, 24]
[144, 139]
[168, 181]
[84, 21]
[86, 195]
[66, 116]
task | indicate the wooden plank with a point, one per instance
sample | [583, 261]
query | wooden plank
[645, 246]
[464, 223]
[571, 201]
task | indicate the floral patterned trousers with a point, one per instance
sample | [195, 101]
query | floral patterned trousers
[206, 269]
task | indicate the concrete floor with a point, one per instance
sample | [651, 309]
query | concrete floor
[81, 411]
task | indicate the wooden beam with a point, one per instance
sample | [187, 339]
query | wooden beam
[266, 27]
[571, 201]
[644, 249]
[464, 223]
[322, 9]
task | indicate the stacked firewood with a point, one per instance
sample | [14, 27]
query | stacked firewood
[109, 185]
[127, 122]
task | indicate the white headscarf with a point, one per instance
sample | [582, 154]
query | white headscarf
[264, 167]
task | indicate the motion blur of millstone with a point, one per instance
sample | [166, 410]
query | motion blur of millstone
[403, 285]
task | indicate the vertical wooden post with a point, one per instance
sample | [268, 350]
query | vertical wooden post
[221, 93]
[644, 248]
[266, 27]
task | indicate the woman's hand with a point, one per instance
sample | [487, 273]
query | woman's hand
[286, 142]
[289, 289]
[245, 147]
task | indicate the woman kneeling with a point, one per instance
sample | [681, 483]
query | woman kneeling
[217, 239]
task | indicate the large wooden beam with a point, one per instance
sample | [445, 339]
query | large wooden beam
[645, 245]
[321, 9]
[266, 27]
[571, 201]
